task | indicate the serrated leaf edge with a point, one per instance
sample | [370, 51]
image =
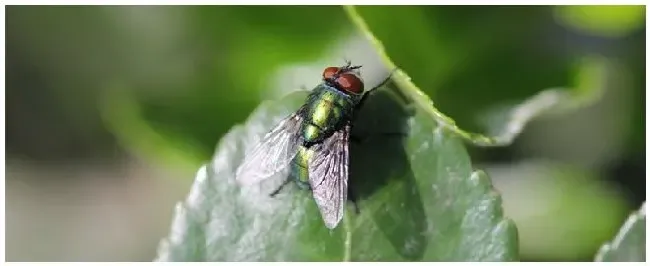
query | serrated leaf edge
[622, 233]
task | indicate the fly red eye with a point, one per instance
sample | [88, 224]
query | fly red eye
[350, 82]
[329, 72]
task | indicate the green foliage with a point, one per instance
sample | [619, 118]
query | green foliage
[629, 243]
[536, 197]
[171, 81]
[420, 198]
[506, 124]
[469, 59]
[505, 66]
[438, 47]
[135, 132]
[608, 21]
[234, 51]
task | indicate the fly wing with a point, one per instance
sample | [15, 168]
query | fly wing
[328, 176]
[276, 149]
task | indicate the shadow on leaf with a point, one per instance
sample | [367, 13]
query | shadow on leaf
[381, 176]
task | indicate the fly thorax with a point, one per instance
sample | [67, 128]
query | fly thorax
[325, 113]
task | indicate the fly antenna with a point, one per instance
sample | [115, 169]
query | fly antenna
[348, 63]
[390, 74]
[348, 67]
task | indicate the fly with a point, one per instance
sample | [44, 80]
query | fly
[313, 142]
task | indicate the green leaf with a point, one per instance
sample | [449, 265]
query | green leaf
[629, 243]
[419, 196]
[607, 21]
[507, 123]
[469, 59]
[420, 200]
[225, 56]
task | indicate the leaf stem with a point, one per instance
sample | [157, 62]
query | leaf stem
[347, 246]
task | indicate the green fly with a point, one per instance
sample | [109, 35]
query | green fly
[313, 143]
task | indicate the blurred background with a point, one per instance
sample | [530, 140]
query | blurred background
[111, 110]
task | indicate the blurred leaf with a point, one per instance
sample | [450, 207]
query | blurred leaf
[506, 121]
[606, 21]
[122, 116]
[419, 199]
[239, 47]
[544, 196]
[513, 119]
[471, 58]
[238, 58]
[629, 243]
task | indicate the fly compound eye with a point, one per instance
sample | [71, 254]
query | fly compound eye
[330, 72]
[350, 83]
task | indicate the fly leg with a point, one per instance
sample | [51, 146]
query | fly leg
[365, 95]
[277, 190]
[353, 198]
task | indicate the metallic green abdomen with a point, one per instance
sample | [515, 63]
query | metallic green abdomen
[327, 110]
[300, 166]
